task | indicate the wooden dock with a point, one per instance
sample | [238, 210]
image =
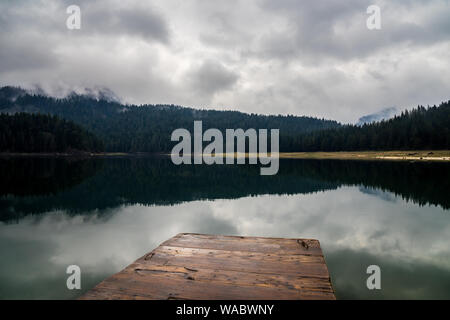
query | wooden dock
[211, 267]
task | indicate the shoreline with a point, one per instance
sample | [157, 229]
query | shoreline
[69, 155]
[410, 155]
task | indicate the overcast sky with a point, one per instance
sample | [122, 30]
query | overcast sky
[299, 57]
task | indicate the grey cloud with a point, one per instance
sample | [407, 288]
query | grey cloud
[211, 77]
[135, 21]
[313, 58]
[26, 40]
[337, 30]
[103, 17]
[16, 56]
[310, 27]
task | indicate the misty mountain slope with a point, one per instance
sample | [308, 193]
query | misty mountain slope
[419, 129]
[384, 114]
[147, 128]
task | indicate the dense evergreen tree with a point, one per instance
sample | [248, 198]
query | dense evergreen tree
[146, 128]
[419, 129]
[23, 132]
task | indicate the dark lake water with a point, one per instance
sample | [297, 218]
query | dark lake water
[103, 214]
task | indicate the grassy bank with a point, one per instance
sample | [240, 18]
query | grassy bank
[421, 155]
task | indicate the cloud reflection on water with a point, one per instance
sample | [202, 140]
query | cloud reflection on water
[355, 228]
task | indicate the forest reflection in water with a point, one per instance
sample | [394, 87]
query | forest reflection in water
[102, 214]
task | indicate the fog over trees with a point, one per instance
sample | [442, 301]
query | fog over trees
[147, 128]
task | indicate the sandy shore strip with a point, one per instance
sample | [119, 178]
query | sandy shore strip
[422, 155]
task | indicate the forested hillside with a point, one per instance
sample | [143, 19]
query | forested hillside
[30, 133]
[147, 128]
[419, 129]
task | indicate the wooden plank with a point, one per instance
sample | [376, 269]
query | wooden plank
[239, 263]
[235, 278]
[173, 285]
[126, 289]
[253, 244]
[194, 266]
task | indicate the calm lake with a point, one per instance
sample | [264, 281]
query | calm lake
[102, 214]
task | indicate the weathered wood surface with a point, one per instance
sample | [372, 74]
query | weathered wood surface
[210, 267]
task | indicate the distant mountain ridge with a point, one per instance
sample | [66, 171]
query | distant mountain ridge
[384, 114]
[147, 128]
[423, 128]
